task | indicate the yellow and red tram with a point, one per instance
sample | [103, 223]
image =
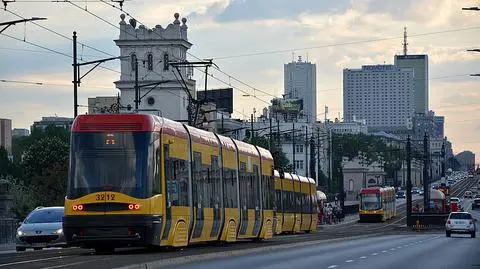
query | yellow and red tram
[296, 203]
[145, 180]
[377, 204]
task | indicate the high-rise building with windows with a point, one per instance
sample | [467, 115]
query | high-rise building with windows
[6, 134]
[383, 95]
[300, 82]
[419, 63]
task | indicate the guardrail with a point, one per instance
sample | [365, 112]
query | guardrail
[8, 229]
[428, 220]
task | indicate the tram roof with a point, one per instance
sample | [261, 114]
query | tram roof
[116, 123]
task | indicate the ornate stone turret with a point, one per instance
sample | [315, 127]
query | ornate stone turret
[154, 49]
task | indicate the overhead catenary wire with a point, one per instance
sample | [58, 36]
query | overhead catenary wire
[344, 43]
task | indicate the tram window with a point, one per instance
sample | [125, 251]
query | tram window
[230, 188]
[280, 203]
[243, 185]
[256, 187]
[215, 187]
[176, 175]
[156, 186]
[197, 186]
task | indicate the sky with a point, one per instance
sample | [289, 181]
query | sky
[250, 40]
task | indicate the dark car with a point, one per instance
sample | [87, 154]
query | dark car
[401, 195]
[42, 228]
[476, 203]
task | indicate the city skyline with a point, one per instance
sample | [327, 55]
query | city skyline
[340, 35]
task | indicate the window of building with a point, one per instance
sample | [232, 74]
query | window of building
[150, 61]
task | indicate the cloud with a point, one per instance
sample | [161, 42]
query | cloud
[251, 10]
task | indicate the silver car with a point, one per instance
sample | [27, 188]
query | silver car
[42, 228]
[460, 223]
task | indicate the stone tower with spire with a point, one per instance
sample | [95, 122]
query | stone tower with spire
[153, 50]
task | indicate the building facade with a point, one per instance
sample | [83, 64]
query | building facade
[300, 82]
[52, 121]
[440, 126]
[466, 160]
[20, 132]
[419, 63]
[154, 52]
[103, 104]
[383, 95]
[6, 134]
[353, 127]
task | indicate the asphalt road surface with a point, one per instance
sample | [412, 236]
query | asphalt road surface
[348, 245]
[394, 251]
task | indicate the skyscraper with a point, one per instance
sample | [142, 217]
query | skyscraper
[300, 82]
[6, 134]
[419, 63]
[380, 94]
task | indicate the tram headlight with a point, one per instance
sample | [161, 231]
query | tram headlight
[59, 231]
[20, 233]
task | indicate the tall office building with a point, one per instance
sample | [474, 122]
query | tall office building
[380, 94]
[6, 134]
[300, 82]
[419, 63]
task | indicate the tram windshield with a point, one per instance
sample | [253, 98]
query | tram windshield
[370, 201]
[120, 162]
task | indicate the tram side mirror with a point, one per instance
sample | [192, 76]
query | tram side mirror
[20, 223]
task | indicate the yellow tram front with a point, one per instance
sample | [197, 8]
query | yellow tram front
[377, 204]
[114, 195]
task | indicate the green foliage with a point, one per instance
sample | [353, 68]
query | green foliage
[53, 182]
[44, 153]
[349, 145]
[5, 165]
[22, 197]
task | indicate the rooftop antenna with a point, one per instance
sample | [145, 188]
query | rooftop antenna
[405, 43]
[293, 56]
[307, 56]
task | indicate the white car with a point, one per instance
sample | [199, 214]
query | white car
[460, 223]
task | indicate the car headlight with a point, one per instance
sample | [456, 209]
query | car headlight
[20, 233]
[59, 231]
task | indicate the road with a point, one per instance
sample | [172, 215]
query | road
[333, 246]
[393, 251]
[388, 251]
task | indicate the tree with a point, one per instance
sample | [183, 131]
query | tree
[5, 165]
[46, 170]
[43, 154]
[22, 197]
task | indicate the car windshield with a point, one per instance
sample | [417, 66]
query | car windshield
[460, 216]
[45, 216]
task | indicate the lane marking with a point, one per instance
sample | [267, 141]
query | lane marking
[349, 261]
[64, 265]
[30, 261]
[374, 254]
[392, 249]
[363, 257]
[384, 251]
[332, 266]
[399, 247]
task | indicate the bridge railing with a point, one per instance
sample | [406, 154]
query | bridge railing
[8, 230]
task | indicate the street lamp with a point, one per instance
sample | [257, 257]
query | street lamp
[10, 23]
